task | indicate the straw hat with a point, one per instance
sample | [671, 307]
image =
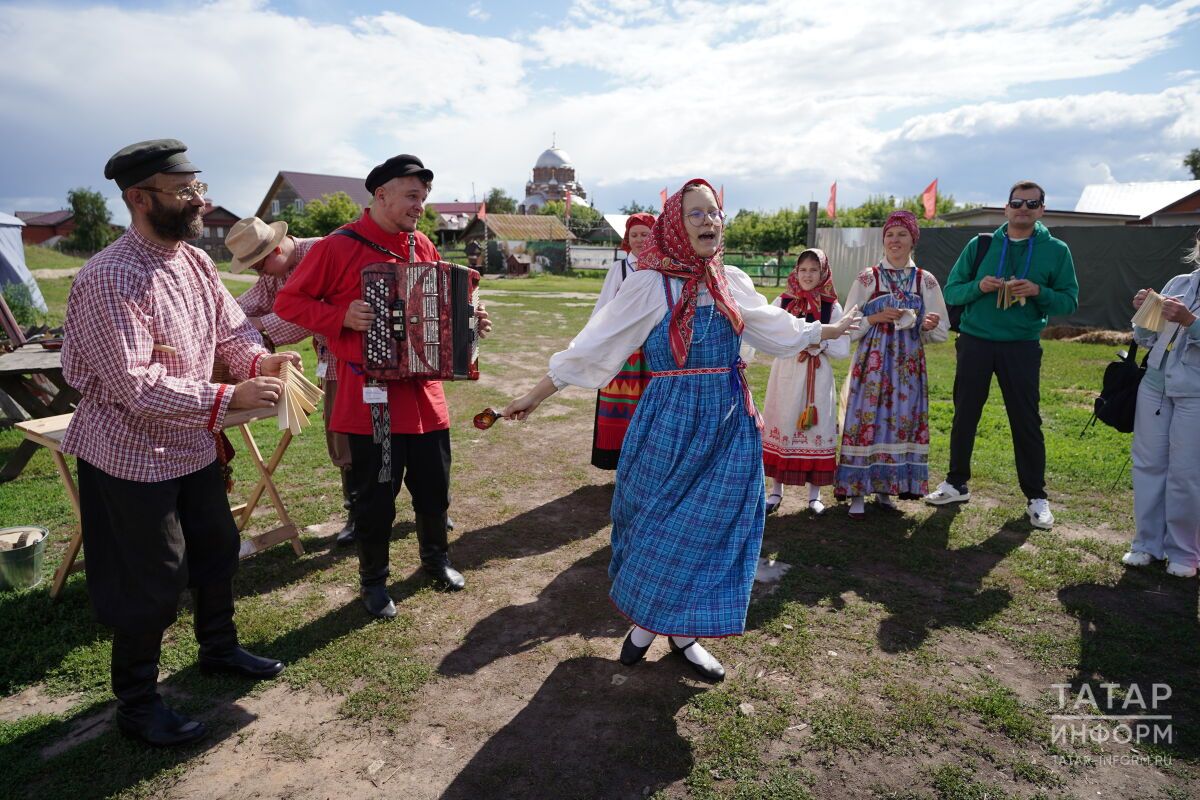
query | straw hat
[250, 240]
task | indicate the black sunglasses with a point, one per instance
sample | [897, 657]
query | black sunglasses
[1030, 204]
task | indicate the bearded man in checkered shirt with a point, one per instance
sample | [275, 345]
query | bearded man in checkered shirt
[145, 319]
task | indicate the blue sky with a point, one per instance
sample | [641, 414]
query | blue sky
[775, 99]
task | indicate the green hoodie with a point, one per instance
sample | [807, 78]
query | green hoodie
[1050, 267]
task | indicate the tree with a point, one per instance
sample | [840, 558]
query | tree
[764, 232]
[93, 223]
[498, 202]
[1192, 162]
[321, 217]
[634, 207]
[427, 224]
[584, 219]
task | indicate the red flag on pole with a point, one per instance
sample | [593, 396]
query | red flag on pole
[929, 199]
[831, 206]
[482, 211]
[663, 196]
[721, 196]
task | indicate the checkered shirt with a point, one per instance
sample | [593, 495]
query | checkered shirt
[259, 299]
[146, 415]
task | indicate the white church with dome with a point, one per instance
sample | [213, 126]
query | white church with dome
[553, 177]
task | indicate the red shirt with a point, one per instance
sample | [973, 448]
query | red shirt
[316, 297]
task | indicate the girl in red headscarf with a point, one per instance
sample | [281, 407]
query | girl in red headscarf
[885, 435]
[688, 507]
[617, 401]
[800, 415]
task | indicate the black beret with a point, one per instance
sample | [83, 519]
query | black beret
[397, 167]
[135, 163]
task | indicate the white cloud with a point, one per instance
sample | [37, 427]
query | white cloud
[477, 12]
[771, 93]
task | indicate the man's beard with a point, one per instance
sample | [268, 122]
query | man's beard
[182, 225]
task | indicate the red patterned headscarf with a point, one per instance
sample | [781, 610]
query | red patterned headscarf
[670, 252]
[906, 220]
[808, 303]
[641, 218]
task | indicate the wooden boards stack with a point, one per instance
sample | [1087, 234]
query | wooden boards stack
[300, 396]
[1149, 316]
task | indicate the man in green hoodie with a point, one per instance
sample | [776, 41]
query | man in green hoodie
[999, 339]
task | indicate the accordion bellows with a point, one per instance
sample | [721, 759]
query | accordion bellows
[424, 324]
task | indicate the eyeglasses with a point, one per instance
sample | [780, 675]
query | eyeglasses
[196, 190]
[696, 218]
[1030, 204]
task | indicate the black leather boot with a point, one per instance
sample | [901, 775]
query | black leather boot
[218, 639]
[435, 552]
[345, 536]
[373, 574]
[141, 713]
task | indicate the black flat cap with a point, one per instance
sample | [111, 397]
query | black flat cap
[397, 167]
[135, 163]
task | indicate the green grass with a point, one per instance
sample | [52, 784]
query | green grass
[934, 615]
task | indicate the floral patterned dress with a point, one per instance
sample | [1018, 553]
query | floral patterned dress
[885, 436]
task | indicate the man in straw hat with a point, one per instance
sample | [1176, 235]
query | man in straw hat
[325, 296]
[269, 250]
[145, 318]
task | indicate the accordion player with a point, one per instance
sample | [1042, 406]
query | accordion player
[425, 324]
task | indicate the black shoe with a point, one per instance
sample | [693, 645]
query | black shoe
[773, 507]
[377, 602]
[717, 674]
[449, 524]
[345, 536]
[445, 576]
[435, 552]
[157, 725]
[631, 653]
[241, 662]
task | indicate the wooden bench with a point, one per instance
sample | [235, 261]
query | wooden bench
[49, 431]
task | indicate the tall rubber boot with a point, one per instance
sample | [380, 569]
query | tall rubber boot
[435, 552]
[373, 574]
[141, 713]
[218, 638]
[345, 536]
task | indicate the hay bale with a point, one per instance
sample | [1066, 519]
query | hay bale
[1074, 333]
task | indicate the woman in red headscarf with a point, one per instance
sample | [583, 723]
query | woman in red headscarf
[688, 507]
[800, 415]
[885, 435]
[616, 402]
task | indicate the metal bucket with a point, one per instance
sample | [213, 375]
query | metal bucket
[22, 569]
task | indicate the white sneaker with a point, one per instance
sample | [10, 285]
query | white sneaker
[1039, 514]
[1136, 559]
[1180, 571]
[816, 507]
[946, 493]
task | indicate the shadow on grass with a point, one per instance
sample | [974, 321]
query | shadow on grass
[584, 736]
[105, 763]
[575, 602]
[1140, 632]
[898, 561]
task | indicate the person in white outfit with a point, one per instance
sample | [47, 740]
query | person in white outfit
[1166, 428]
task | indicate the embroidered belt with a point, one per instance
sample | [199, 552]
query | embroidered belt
[737, 381]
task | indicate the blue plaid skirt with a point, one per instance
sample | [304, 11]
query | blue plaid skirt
[688, 511]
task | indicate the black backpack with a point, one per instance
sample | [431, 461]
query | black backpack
[1117, 402]
[981, 249]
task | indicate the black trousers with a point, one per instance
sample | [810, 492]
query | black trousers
[146, 542]
[421, 461]
[1017, 367]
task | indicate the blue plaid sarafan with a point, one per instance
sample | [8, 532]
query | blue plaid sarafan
[688, 511]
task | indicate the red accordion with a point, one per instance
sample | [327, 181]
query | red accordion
[424, 321]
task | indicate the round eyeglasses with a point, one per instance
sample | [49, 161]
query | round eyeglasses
[696, 217]
[196, 190]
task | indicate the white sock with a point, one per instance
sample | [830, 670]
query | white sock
[884, 499]
[857, 506]
[814, 493]
[696, 653]
[641, 637]
[777, 488]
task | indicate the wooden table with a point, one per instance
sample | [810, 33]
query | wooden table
[19, 371]
[49, 431]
